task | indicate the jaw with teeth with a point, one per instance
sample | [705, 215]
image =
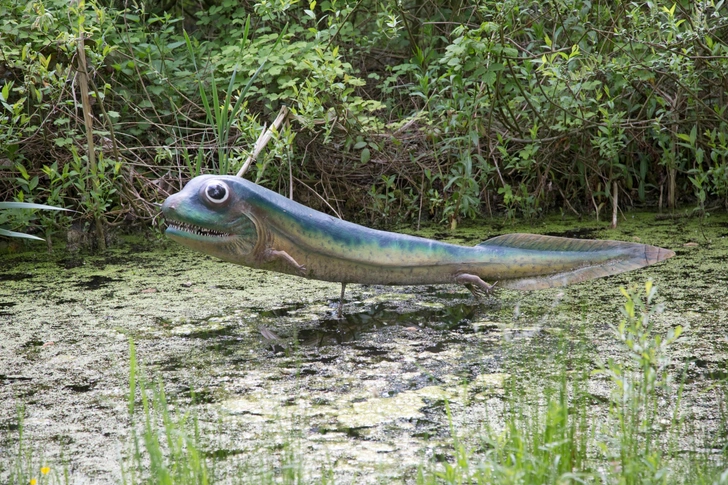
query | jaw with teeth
[221, 229]
[193, 230]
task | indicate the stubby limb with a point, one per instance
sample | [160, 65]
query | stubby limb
[478, 287]
[273, 254]
[341, 300]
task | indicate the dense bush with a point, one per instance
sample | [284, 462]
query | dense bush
[423, 109]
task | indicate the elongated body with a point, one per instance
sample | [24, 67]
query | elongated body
[241, 222]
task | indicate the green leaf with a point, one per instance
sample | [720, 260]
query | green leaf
[29, 205]
[365, 155]
[22, 235]
[6, 91]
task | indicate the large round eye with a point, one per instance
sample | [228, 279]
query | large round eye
[217, 192]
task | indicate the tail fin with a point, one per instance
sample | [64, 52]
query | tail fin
[562, 261]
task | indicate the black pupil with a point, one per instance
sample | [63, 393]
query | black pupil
[216, 192]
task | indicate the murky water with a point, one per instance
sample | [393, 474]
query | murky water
[262, 357]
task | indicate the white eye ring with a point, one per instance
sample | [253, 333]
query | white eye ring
[217, 192]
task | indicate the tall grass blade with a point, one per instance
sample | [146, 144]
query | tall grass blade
[30, 205]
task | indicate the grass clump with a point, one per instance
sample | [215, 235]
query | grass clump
[619, 423]
[560, 437]
[641, 386]
[170, 448]
[163, 449]
[29, 466]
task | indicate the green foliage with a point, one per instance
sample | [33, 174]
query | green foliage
[30, 466]
[222, 116]
[641, 386]
[515, 107]
[169, 447]
[173, 453]
[384, 196]
[554, 436]
[25, 206]
[607, 87]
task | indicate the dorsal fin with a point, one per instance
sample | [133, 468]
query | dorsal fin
[610, 257]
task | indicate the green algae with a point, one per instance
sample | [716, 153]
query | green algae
[368, 391]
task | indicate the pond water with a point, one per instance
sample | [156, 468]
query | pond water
[262, 359]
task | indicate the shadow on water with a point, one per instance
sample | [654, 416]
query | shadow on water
[15, 276]
[352, 326]
[203, 328]
[280, 330]
[4, 305]
[95, 282]
[280, 312]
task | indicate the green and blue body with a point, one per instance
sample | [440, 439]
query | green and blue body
[244, 223]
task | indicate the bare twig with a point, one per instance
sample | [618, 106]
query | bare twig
[263, 140]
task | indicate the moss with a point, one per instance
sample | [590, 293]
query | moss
[370, 385]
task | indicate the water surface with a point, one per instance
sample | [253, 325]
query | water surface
[263, 360]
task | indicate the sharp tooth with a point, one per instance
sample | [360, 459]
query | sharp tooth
[197, 230]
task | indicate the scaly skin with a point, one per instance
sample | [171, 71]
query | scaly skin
[241, 222]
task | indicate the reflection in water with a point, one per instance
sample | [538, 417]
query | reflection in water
[283, 327]
[95, 282]
[349, 328]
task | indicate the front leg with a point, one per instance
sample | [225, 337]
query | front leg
[478, 287]
[270, 255]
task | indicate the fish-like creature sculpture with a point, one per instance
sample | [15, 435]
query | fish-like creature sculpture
[244, 223]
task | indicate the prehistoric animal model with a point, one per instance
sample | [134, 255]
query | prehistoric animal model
[244, 223]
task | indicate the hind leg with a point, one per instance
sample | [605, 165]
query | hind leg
[341, 300]
[478, 287]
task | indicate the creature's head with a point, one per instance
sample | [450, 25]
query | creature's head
[210, 215]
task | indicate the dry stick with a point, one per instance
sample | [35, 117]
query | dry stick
[317, 195]
[290, 163]
[567, 201]
[659, 204]
[615, 204]
[422, 196]
[263, 140]
[115, 147]
[672, 173]
[591, 194]
[88, 121]
[290, 176]
[109, 123]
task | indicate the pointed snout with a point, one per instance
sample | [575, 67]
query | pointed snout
[170, 205]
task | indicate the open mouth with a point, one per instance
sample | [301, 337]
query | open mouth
[196, 230]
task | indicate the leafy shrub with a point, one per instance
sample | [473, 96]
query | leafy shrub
[514, 106]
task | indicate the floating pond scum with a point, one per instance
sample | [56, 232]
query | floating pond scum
[416, 384]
